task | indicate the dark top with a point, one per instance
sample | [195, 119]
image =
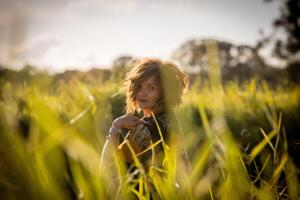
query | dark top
[144, 134]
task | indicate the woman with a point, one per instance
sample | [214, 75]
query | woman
[153, 89]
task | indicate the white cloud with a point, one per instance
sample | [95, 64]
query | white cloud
[39, 47]
[103, 5]
[35, 50]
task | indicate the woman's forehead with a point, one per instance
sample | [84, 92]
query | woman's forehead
[151, 80]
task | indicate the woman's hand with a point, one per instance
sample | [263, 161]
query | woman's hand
[126, 121]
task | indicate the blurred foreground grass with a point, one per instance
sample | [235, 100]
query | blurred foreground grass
[241, 140]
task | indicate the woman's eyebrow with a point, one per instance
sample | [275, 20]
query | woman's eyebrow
[152, 83]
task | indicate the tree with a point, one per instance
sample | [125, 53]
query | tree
[193, 55]
[289, 21]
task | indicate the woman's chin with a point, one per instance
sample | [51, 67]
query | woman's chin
[141, 106]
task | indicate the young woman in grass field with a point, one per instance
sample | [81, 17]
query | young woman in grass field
[153, 89]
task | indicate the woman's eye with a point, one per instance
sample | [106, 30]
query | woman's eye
[152, 87]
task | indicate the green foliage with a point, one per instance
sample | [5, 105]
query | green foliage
[237, 138]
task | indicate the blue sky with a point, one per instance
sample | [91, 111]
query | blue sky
[65, 34]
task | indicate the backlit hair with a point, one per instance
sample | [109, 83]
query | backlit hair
[171, 80]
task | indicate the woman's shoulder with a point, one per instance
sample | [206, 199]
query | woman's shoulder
[155, 120]
[167, 119]
[161, 122]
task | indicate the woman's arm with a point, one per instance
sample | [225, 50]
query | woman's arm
[109, 147]
[112, 142]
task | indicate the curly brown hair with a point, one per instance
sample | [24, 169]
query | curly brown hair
[172, 83]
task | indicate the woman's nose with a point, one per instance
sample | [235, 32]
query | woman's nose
[141, 92]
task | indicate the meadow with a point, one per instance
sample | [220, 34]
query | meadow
[240, 139]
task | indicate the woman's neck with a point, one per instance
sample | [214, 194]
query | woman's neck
[148, 113]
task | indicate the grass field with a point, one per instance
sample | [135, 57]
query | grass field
[237, 138]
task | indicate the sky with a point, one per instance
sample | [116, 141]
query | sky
[56, 35]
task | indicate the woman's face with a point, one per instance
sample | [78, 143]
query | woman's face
[148, 94]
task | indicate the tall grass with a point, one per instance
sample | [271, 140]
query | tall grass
[59, 156]
[235, 137]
